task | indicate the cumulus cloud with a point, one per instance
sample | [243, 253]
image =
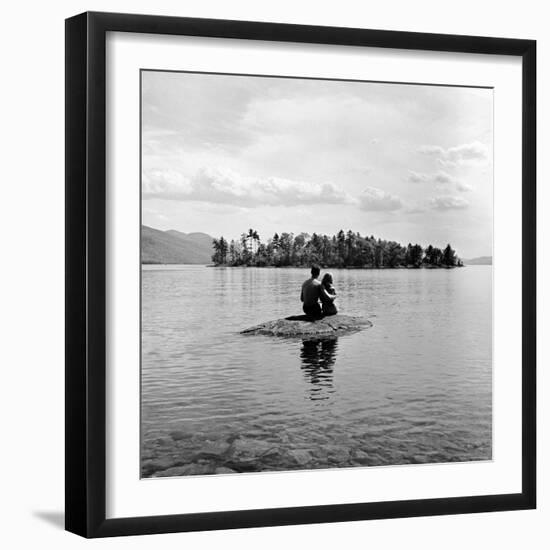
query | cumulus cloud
[448, 202]
[417, 177]
[461, 186]
[227, 187]
[376, 200]
[453, 156]
[441, 179]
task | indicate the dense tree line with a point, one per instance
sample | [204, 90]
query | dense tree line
[341, 250]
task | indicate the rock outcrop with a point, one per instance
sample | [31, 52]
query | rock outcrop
[302, 326]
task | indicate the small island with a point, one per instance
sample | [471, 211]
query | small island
[302, 326]
[343, 250]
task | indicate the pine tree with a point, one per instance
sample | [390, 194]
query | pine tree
[449, 256]
[340, 250]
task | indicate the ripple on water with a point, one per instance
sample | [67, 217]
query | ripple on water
[416, 388]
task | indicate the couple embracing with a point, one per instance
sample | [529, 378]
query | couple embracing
[318, 296]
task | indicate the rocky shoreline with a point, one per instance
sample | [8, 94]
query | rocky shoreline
[246, 454]
[182, 454]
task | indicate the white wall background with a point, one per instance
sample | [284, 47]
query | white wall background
[31, 275]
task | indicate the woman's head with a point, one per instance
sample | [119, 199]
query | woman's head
[327, 279]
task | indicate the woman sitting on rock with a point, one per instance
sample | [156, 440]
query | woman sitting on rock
[328, 295]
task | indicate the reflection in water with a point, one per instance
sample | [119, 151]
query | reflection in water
[318, 358]
[425, 395]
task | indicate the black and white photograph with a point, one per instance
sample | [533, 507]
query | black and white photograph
[316, 286]
[274, 275]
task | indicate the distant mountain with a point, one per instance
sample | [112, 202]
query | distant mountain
[482, 260]
[175, 233]
[174, 247]
[201, 239]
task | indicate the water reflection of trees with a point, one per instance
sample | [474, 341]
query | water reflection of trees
[318, 358]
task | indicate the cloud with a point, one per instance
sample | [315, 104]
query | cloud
[448, 202]
[453, 156]
[416, 177]
[441, 179]
[228, 187]
[461, 186]
[376, 200]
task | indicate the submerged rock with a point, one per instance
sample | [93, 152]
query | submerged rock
[214, 450]
[245, 449]
[189, 470]
[224, 470]
[150, 467]
[303, 326]
[178, 435]
[300, 456]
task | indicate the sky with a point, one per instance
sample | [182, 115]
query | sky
[410, 163]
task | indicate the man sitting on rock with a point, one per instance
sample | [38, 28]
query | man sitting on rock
[311, 292]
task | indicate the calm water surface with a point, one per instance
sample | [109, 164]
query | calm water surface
[414, 388]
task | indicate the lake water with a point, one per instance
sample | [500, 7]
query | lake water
[414, 388]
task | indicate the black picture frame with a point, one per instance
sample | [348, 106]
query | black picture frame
[86, 274]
